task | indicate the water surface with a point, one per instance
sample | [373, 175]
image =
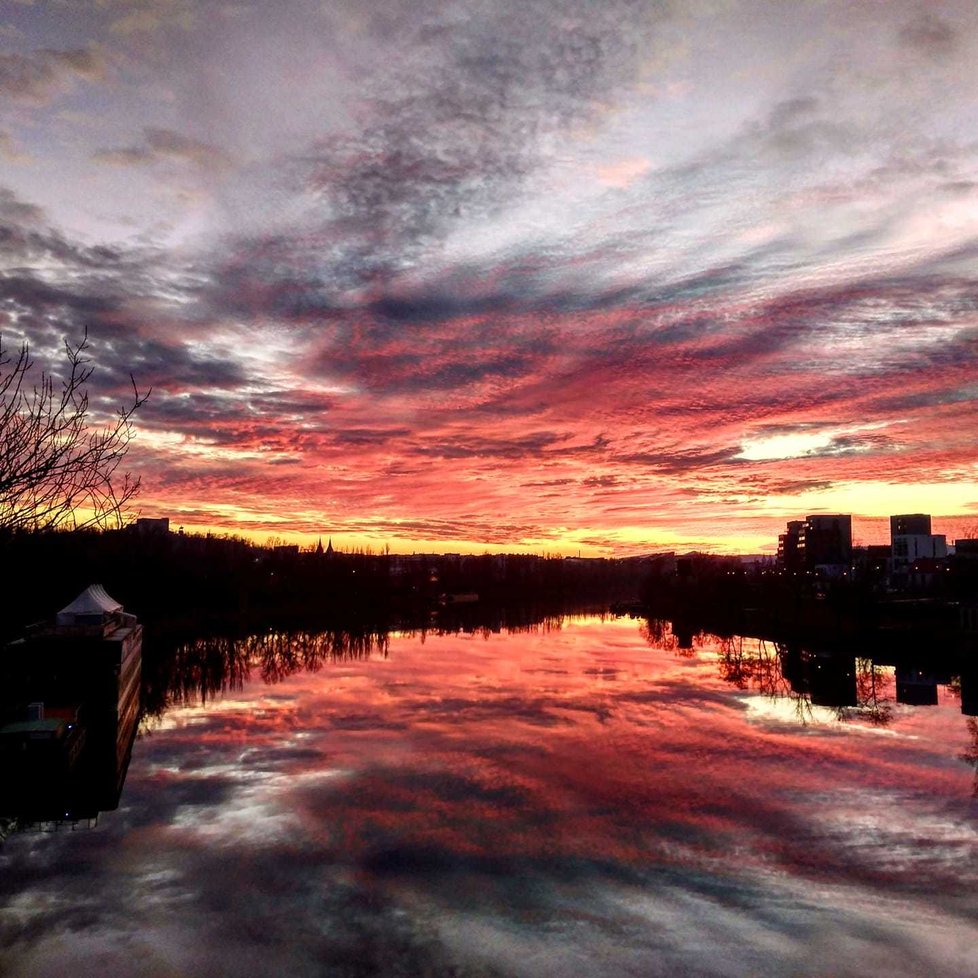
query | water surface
[569, 800]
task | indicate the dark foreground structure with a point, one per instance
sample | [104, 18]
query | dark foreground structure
[69, 712]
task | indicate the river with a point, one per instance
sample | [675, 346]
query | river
[579, 798]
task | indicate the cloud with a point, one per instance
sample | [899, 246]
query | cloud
[799, 128]
[150, 18]
[525, 265]
[679, 460]
[43, 75]
[537, 445]
[166, 145]
[15, 212]
[466, 116]
[11, 151]
[131, 156]
[28, 239]
[929, 34]
[623, 172]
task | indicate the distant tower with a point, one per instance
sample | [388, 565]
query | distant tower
[319, 546]
[329, 547]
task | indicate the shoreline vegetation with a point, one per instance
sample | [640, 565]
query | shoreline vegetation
[832, 615]
[185, 586]
[219, 611]
[176, 582]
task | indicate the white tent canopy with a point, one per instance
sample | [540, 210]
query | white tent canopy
[93, 602]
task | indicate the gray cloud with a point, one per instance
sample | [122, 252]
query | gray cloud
[928, 33]
[680, 460]
[56, 289]
[19, 212]
[39, 77]
[27, 237]
[800, 128]
[543, 444]
[472, 113]
[165, 144]
[369, 436]
[10, 150]
[184, 401]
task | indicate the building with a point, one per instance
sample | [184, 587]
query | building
[825, 544]
[871, 564]
[789, 558]
[918, 546]
[966, 548]
[911, 540]
[910, 523]
[817, 545]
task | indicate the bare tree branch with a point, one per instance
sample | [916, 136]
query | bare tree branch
[56, 469]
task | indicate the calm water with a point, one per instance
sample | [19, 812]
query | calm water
[571, 801]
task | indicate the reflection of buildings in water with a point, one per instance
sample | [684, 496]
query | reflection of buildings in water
[844, 682]
[969, 688]
[836, 678]
[793, 668]
[832, 680]
[918, 687]
[853, 686]
[865, 686]
[71, 710]
[786, 670]
[970, 755]
[684, 634]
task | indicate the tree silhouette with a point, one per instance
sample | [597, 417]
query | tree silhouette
[56, 468]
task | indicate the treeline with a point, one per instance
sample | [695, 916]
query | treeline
[725, 597]
[191, 581]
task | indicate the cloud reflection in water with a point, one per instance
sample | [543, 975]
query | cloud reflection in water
[569, 801]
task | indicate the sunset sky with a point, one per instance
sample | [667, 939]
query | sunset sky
[522, 275]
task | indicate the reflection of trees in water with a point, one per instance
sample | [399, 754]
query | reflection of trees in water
[873, 700]
[659, 634]
[491, 620]
[280, 654]
[970, 755]
[752, 663]
[782, 672]
[191, 671]
[203, 668]
[758, 665]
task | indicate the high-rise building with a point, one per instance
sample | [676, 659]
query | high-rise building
[911, 540]
[825, 542]
[788, 556]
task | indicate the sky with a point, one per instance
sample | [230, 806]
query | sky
[519, 275]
